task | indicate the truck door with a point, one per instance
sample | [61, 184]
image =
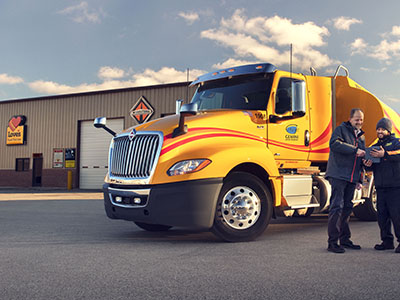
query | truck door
[288, 123]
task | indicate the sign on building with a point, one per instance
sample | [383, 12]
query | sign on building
[142, 110]
[58, 158]
[16, 131]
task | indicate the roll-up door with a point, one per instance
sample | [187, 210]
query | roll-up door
[94, 146]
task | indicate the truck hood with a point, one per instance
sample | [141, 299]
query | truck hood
[237, 120]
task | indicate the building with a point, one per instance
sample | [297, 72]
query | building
[46, 139]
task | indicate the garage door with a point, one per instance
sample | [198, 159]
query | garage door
[94, 146]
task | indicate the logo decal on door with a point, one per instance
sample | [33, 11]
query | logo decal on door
[291, 129]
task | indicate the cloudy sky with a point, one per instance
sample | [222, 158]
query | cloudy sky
[50, 47]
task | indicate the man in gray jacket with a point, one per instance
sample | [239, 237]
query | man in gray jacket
[347, 147]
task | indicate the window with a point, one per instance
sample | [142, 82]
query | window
[21, 164]
[283, 99]
[290, 96]
[250, 92]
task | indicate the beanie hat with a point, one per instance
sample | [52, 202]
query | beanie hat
[384, 123]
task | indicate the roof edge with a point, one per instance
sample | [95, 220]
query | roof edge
[158, 86]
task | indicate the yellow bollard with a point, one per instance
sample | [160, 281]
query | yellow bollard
[69, 181]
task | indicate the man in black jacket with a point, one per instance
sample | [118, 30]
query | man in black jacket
[347, 147]
[387, 183]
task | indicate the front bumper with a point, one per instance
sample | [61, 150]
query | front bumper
[185, 204]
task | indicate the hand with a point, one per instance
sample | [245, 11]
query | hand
[360, 153]
[359, 186]
[367, 163]
[378, 153]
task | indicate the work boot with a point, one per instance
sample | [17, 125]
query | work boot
[385, 246]
[397, 249]
[349, 244]
[335, 248]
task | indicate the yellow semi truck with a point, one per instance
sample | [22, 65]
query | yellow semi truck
[252, 144]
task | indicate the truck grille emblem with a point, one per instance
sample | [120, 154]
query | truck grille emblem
[132, 134]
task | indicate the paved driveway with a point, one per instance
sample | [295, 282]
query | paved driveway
[68, 249]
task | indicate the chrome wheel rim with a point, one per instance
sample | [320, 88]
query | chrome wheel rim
[240, 207]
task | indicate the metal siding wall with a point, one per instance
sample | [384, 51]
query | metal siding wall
[53, 122]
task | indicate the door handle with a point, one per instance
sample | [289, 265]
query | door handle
[306, 138]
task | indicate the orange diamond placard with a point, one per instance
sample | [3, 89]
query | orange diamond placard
[142, 110]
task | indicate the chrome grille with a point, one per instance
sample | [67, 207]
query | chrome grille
[134, 158]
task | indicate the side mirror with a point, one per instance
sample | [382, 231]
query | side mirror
[298, 97]
[101, 123]
[189, 109]
[178, 106]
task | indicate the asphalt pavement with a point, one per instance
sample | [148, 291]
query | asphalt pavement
[69, 249]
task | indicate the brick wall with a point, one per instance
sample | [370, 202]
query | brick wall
[50, 178]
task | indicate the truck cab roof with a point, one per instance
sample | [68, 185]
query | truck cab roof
[235, 71]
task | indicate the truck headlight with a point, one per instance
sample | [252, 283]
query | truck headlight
[188, 166]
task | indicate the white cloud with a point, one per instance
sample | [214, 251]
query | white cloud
[81, 13]
[7, 79]
[148, 77]
[391, 99]
[109, 73]
[244, 45]
[386, 51]
[190, 17]
[374, 70]
[164, 75]
[268, 39]
[231, 62]
[54, 88]
[358, 46]
[344, 23]
[396, 30]
[49, 87]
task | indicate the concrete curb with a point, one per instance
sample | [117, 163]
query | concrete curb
[12, 194]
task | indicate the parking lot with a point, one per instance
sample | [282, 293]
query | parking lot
[68, 249]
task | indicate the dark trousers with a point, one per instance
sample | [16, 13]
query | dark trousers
[388, 213]
[340, 210]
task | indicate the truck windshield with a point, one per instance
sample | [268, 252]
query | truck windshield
[250, 92]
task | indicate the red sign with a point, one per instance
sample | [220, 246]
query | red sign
[16, 121]
[142, 110]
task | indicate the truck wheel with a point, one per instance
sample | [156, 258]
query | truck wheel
[244, 208]
[368, 210]
[153, 227]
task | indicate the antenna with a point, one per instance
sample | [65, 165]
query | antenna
[291, 55]
[187, 87]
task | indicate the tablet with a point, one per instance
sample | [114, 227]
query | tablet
[368, 156]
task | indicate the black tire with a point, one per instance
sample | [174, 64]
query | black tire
[244, 208]
[367, 211]
[153, 227]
